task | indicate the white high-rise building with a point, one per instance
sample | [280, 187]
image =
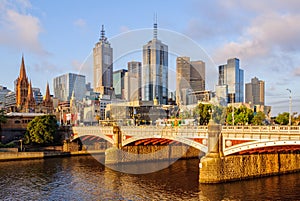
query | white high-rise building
[131, 90]
[155, 70]
[65, 84]
[103, 65]
[135, 68]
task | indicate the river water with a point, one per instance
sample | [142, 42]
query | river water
[84, 178]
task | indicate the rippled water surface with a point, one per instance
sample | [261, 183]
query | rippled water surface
[84, 178]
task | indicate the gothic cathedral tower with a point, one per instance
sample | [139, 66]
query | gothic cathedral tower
[21, 87]
[24, 96]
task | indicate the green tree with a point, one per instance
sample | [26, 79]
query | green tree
[42, 130]
[297, 120]
[201, 113]
[185, 115]
[219, 114]
[282, 118]
[242, 116]
[259, 118]
[3, 120]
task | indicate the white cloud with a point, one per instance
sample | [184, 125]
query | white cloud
[47, 67]
[124, 29]
[268, 33]
[297, 72]
[20, 30]
[80, 23]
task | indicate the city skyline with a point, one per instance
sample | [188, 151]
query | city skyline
[264, 36]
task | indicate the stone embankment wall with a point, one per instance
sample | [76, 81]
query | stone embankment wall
[149, 153]
[237, 167]
[20, 155]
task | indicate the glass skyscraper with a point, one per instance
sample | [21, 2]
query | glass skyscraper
[231, 79]
[118, 83]
[155, 70]
[65, 84]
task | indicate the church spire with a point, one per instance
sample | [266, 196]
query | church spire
[22, 69]
[47, 96]
[155, 26]
[30, 94]
[30, 102]
[47, 102]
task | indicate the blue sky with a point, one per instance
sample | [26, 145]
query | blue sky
[56, 37]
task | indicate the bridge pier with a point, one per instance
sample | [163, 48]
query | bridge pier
[217, 168]
[211, 164]
[113, 154]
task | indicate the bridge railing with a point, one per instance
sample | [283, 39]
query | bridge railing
[159, 131]
[268, 129]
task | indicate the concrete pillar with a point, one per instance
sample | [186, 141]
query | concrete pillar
[113, 155]
[214, 131]
[211, 164]
[117, 136]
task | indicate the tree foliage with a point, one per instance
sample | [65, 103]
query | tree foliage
[202, 114]
[185, 115]
[297, 120]
[282, 118]
[259, 118]
[242, 116]
[219, 114]
[42, 130]
[3, 120]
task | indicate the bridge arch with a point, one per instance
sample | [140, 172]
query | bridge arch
[183, 140]
[256, 145]
[105, 133]
[108, 139]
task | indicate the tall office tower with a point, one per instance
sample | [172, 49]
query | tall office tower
[131, 89]
[103, 65]
[135, 67]
[232, 77]
[118, 83]
[65, 84]
[189, 75]
[155, 70]
[3, 92]
[255, 92]
[37, 95]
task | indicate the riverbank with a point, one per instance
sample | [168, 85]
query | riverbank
[9, 156]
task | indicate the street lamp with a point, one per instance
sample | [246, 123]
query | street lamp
[290, 107]
[232, 109]
[21, 145]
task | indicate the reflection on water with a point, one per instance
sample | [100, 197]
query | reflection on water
[84, 178]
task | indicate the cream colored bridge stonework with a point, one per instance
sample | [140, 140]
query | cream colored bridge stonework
[232, 139]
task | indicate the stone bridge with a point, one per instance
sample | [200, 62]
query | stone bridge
[229, 139]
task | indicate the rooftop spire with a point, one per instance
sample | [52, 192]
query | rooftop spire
[102, 38]
[155, 26]
[30, 94]
[22, 69]
[47, 96]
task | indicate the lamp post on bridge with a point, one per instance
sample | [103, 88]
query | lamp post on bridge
[290, 107]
